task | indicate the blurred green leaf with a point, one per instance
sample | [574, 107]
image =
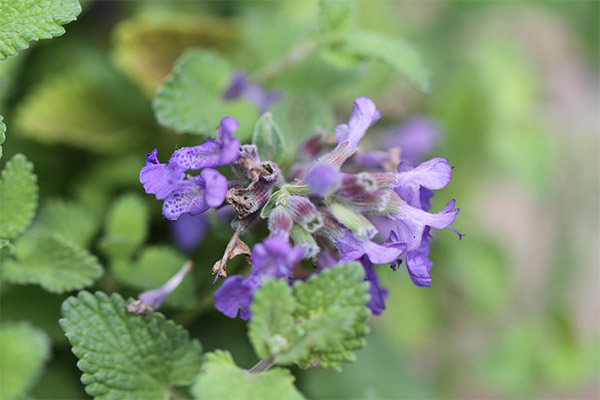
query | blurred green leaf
[124, 355]
[126, 227]
[336, 17]
[156, 265]
[52, 262]
[268, 138]
[27, 20]
[222, 379]
[24, 350]
[18, 196]
[68, 219]
[146, 46]
[2, 133]
[190, 99]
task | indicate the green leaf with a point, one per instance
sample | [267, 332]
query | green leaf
[126, 227]
[393, 51]
[69, 220]
[268, 138]
[124, 355]
[318, 322]
[156, 265]
[336, 17]
[2, 133]
[52, 262]
[18, 196]
[222, 379]
[191, 97]
[27, 20]
[24, 350]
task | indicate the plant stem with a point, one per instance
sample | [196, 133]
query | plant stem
[262, 365]
[294, 56]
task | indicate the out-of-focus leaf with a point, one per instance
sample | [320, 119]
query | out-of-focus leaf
[52, 262]
[24, 350]
[268, 138]
[18, 196]
[336, 17]
[190, 99]
[146, 46]
[156, 265]
[124, 355]
[26, 20]
[126, 227]
[222, 379]
[2, 133]
[68, 219]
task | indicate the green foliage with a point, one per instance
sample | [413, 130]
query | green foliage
[191, 97]
[222, 379]
[156, 265]
[27, 20]
[337, 17]
[51, 262]
[2, 133]
[68, 219]
[124, 355]
[126, 227]
[18, 196]
[318, 322]
[24, 350]
[268, 138]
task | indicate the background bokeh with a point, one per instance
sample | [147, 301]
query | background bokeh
[514, 307]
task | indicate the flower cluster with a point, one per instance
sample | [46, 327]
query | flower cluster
[342, 204]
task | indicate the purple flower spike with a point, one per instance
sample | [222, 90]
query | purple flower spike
[159, 179]
[376, 292]
[196, 195]
[234, 296]
[352, 249]
[274, 257]
[154, 298]
[322, 179]
[364, 115]
[433, 174]
[189, 231]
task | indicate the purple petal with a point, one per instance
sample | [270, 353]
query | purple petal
[433, 174]
[215, 187]
[234, 296]
[188, 231]
[412, 221]
[322, 179]
[416, 137]
[351, 249]
[188, 197]
[274, 257]
[226, 128]
[154, 298]
[159, 179]
[418, 263]
[364, 115]
[376, 292]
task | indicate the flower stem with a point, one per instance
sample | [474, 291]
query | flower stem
[262, 365]
[294, 56]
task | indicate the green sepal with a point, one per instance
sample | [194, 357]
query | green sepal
[362, 228]
[268, 138]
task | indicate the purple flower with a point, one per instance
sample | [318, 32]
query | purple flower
[416, 138]
[154, 298]
[160, 179]
[364, 115]
[433, 174]
[188, 231]
[196, 194]
[351, 249]
[418, 263]
[377, 293]
[322, 179]
[234, 296]
[255, 94]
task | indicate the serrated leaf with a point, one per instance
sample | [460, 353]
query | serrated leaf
[2, 133]
[268, 138]
[393, 51]
[124, 355]
[146, 46]
[27, 20]
[24, 350]
[156, 265]
[190, 99]
[52, 262]
[18, 196]
[69, 220]
[222, 379]
[126, 227]
[336, 17]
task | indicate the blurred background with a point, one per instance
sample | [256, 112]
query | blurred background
[514, 307]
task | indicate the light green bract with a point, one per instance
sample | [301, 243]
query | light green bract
[317, 322]
[23, 21]
[268, 138]
[124, 355]
[18, 196]
[24, 350]
[222, 379]
[52, 262]
[191, 97]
